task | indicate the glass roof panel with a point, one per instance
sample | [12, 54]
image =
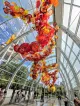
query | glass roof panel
[74, 18]
[75, 10]
[65, 75]
[27, 63]
[78, 34]
[31, 36]
[27, 5]
[65, 62]
[79, 57]
[2, 14]
[63, 45]
[58, 82]
[67, 51]
[62, 58]
[50, 60]
[72, 57]
[71, 75]
[68, 69]
[51, 18]
[78, 76]
[10, 25]
[73, 82]
[75, 49]
[69, 42]
[14, 25]
[71, 49]
[77, 66]
[67, 1]
[77, 2]
[64, 36]
[66, 15]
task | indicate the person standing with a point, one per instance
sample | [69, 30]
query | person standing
[59, 99]
[42, 95]
[14, 89]
[17, 97]
[1, 95]
[65, 101]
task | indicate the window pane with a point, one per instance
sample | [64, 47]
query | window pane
[79, 76]
[68, 69]
[78, 34]
[71, 75]
[75, 49]
[77, 66]
[65, 76]
[67, 1]
[65, 63]
[63, 72]
[69, 42]
[68, 83]
[63, 45]
[73, 82]
[27, 4]
[62, 58]
[72, 57]
[67, 51]
[64, 36]
[79, 57]
[77, 2]
[60, 66]
[75, 10]
[66, 15]
[50, 19]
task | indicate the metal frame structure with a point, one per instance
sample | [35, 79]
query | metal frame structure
[65, 83]
[23, 33]
[76, 40]
[77, 81]
[71, 35]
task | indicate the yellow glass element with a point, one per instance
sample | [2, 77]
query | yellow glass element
[13, 37]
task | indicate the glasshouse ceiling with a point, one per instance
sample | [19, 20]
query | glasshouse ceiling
[67, 51]
[10, 26]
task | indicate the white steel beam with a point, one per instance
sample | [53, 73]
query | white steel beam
[71, 35]
[74, 73]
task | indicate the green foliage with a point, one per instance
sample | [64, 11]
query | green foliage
[6, 75]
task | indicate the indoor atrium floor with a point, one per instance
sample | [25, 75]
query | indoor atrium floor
[47, 102]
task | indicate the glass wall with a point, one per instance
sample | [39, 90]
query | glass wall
[70, 58]
[71, 16]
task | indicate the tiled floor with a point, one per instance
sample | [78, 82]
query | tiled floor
[47, 102]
